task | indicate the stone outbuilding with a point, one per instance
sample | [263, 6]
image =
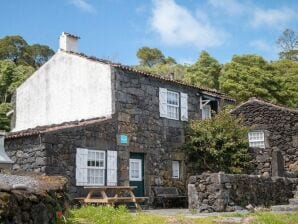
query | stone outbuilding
[100, 123]
[273, 129]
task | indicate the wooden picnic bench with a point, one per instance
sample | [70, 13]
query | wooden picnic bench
[110, 195]
[168, 197]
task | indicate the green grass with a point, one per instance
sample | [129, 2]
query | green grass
[109, 215]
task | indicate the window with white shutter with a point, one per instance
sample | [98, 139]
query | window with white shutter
[81, 166]
[112, 168]
[163, 102]
[175, 169]
[173, 105]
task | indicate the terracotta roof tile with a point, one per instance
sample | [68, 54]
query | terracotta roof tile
[54, 127]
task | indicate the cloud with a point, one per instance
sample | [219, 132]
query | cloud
[272, 17]
[177, 26]
[230, 7]
[83, 5]
[261, 45]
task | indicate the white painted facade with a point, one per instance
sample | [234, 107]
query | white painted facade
[67, 88]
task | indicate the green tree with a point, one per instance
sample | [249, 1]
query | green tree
[205, 72]
[288, 42]
[4, 120]
[16, 49]
[218, 144]
[286, 74]
[150, 56]
[249, 76]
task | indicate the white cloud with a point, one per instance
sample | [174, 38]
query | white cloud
[261, 45]
[230, 7]
[272, 17]
[83, 5]
[177, 26]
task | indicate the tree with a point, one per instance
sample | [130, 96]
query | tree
[16, 49]
[286, 73]
[205, 72]
[249, 76]
[150, 56]
[288, 42]
[218, 144]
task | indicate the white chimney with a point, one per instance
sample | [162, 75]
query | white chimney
[68, 42]
[5, 161]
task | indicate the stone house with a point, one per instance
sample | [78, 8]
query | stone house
[273, 129]
[101, 123]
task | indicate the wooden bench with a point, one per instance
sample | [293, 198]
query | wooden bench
[168, 197]
[118, 196]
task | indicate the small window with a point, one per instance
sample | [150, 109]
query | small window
[173, 105]
[96, 167]
[256, 139]
[135, 169]
[176, 169]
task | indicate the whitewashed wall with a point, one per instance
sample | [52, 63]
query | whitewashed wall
[66, 88]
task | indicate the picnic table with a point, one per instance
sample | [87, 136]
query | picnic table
[109, 195]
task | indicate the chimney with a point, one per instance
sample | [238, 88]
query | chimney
[68, 42]
[5, 161]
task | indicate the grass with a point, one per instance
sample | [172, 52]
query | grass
[109, 215]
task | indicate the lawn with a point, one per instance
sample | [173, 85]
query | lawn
[109, 215]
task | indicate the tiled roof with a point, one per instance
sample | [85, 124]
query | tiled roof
[48, 128]
[259, 101]
[206, 91]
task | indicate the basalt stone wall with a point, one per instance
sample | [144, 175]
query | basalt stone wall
[137, 107]
[57, 149]
[41, 203]
[219, 192]
[281, 131]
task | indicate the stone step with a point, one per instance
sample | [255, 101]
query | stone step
[284, 208]
[293, 201]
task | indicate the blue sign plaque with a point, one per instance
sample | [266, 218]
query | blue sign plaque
[123, 139]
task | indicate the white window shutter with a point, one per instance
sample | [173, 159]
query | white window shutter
[81, 166]
[112, 168]
[184, 106]
[206, 112]
[163, 109]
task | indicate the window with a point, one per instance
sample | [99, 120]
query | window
[173, 105]
[256, 139]
[176, 169]
[135, 169]
[96, 167]
[206, 112]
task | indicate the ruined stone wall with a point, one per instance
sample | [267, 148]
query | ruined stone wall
[281, 131]
[32, 200]
[137, 106]
[219, 192]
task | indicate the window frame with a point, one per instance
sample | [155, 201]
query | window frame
[252, 140]
[140, 177]
[174, 166]
[96, 168]
[177, 107]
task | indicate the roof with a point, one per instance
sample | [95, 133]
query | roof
[206, 91]
[71, 35]
[54, 127]
[259, 101]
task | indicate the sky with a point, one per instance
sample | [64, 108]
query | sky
[116, 29]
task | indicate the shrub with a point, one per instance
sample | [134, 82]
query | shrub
[218, 144]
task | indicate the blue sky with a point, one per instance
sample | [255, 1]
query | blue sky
[115, 29]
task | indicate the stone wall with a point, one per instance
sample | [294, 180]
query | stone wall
[219, 192]
[281, 131]
[33, 200]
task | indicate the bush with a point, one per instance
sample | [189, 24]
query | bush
[218, 144]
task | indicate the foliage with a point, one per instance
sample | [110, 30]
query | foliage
[16, 49]
[150, 56]
[4, 120]
[205, 72]
[276, 218]
[288, 42]
[218, 144]
[249, 76]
